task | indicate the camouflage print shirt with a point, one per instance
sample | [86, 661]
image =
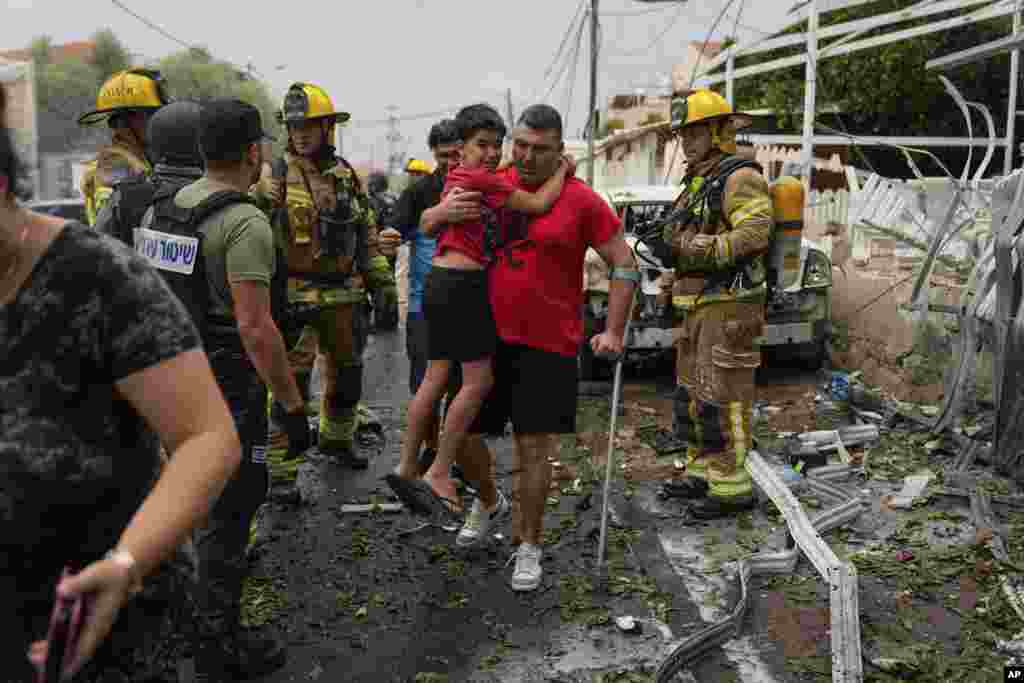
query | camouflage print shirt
[75, 459]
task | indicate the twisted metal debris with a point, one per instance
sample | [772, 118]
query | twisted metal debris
[804, 536]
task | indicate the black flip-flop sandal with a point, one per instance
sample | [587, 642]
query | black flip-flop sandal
[417, 495]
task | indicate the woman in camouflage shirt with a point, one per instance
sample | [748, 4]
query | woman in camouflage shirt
[95, 356]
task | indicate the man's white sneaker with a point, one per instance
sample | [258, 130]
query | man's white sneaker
[526, 576]
[479, 522]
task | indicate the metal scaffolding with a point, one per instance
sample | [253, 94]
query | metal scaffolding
[848, 32]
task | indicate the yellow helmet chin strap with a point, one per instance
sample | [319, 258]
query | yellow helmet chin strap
[723, 136]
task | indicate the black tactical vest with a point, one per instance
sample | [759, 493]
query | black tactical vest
[173, 243]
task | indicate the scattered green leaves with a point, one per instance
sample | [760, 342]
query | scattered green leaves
[577, 602]
[262, 601]
[360, 544]
[456, 600]
[431, 677]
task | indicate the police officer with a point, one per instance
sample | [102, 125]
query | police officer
[173, 137]
[719, 245]
[324, 213]
[125, 102]
[229, 271]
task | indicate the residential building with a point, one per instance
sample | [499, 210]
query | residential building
[18, 80]
[62, 146]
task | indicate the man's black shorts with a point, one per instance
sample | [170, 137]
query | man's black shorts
[460, 327]
[536, 390]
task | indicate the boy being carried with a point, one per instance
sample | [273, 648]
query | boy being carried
[456, 305]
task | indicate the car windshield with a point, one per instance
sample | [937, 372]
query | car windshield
[639, 215]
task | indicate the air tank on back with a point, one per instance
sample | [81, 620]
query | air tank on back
[788, 212]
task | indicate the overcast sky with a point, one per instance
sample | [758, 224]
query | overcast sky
[421, 56]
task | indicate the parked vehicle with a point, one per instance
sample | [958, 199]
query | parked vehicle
[71, 209]
[798, 319]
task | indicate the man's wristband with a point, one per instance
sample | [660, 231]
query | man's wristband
[631, 274]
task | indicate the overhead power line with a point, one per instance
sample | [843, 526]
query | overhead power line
[410, 117]
[565, 38]
[167, 34]
[570, 58]
[636, 13]
[661, 36]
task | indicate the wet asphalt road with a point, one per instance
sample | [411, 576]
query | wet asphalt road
[366, 600]
[427, 608]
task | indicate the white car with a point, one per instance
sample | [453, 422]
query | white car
[798, 319]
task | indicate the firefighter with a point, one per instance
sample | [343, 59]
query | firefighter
[125, 102]
[719, 245]
[320, 207]
[173, 142]
[416, 169]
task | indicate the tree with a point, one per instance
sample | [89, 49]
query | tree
[42, 50]
[886, 90]
[65, 89]
[195, 74]
[109, 55]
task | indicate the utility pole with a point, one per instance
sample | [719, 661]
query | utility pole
[508, 105]
[393, 137]
[592, 117]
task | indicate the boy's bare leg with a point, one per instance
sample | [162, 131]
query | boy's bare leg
[421, 408]
[478, 379]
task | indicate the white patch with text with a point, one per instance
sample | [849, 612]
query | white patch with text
[176, 253]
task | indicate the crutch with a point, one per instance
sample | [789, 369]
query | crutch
[616, 393]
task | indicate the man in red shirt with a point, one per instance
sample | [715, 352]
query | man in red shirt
[537, 297]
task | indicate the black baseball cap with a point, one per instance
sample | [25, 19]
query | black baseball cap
[226, 126]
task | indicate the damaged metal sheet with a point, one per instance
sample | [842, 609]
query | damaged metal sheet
[804, 536]
[913, 486]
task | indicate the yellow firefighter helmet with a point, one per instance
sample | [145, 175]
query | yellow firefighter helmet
[418, 166]
[307, 102]
[127, 91]
[691, 107]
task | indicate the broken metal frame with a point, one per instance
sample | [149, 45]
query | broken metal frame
[805, 536]
[811, 13]
[1012, 44]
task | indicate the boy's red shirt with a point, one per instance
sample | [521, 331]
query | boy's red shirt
[468, 238]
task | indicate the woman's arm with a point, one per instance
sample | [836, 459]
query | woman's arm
[181, 401]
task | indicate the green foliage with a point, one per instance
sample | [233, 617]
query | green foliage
[195, 74]
[67, 88]
[885, 90]
[42, 50]
[109, 54]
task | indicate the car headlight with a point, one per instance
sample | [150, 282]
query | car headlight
[819, 270]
